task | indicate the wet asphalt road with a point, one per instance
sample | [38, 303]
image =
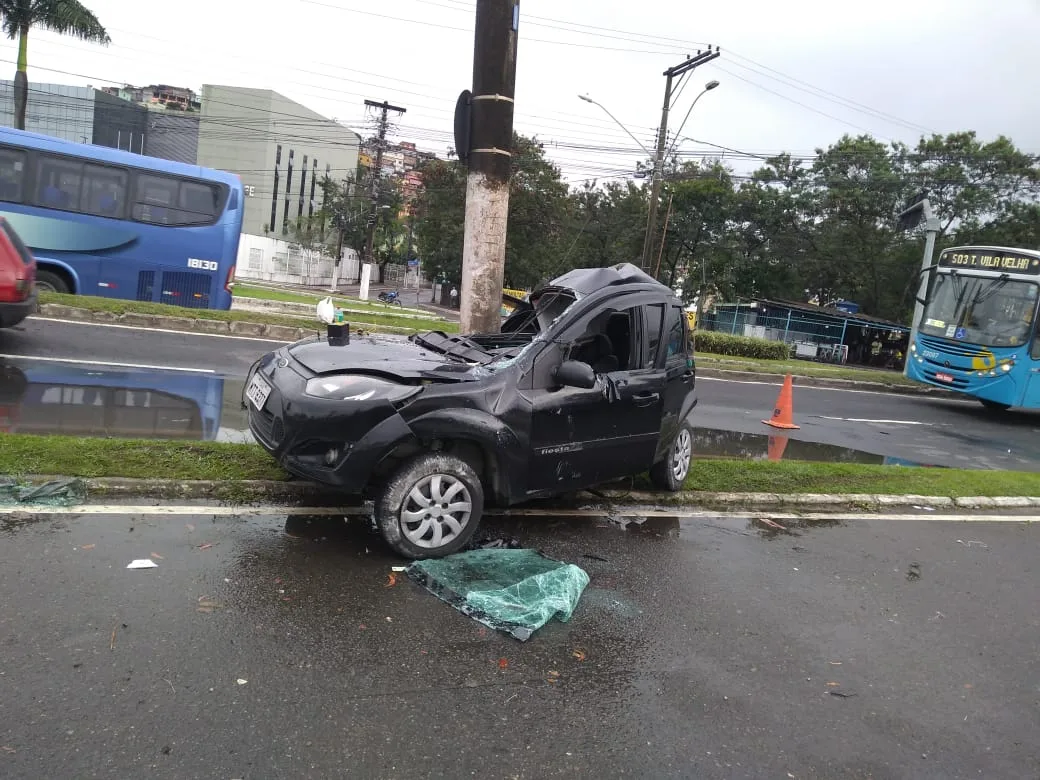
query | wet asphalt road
[711, 649]
[931, 431]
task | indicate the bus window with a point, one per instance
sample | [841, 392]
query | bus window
[198, 202]
[104, 191]
[12, 174]
[58, 183]
[156, 196]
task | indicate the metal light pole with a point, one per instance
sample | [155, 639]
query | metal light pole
[707, 88]
[587, 99]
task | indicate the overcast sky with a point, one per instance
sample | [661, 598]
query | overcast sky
[794, 75]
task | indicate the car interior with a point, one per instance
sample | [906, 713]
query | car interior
[607, 344]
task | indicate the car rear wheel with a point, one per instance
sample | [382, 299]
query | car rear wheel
[430, 507]
[47, 281]
[670, 473]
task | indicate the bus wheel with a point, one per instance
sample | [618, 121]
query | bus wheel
[994, 406]
[47, 281]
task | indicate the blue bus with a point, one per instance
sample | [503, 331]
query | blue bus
[65, 400]
[115, 224]
[978, 333]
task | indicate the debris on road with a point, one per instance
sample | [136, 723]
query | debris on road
[391, 580]
[57, 492]
[924, 508]
[552, 677]
[914, 572]
[142, 563]
[514, 591]
[503, 663]
[157, 556]
[498, 543]
[578, 655]
[592, 557]
[88, 546]
[983, 545]
[841, 694]
[240, 681]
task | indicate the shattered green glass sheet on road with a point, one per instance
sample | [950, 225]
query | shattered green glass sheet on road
[58, 492]
[515, 591]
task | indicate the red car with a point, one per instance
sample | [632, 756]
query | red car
[17, 278]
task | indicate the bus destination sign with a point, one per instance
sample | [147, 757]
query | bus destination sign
[988, 260]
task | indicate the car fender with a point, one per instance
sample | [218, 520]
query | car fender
[505, 454]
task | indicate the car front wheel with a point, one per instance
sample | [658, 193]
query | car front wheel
[670, 473]
[430, 507]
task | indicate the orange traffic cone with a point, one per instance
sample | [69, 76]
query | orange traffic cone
[776, 447]
[783, 414]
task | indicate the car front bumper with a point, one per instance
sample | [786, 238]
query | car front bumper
[325, 441]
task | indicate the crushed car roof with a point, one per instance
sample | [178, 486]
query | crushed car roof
[584, 281]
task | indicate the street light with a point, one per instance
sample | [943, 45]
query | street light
[707, 88]
[587, 99]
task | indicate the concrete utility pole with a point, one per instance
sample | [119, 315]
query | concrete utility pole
[918, 210]
[489, 155]
[373, 185]
[662, 140]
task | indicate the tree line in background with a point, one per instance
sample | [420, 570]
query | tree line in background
[818, 228]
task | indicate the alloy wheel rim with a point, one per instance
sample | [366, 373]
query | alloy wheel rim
[682, 452]
[436, 511]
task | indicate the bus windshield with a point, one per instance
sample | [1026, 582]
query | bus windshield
[988, 311]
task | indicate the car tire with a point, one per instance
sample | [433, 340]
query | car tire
[51, 282]
[671, 472]
[994, 406]
[430, 507]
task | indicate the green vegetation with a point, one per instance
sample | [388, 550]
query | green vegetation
[295, 296]
[740, 346]
[375, 321]
[75, 457]
[804, 368]
[22, 455]
[719, 475]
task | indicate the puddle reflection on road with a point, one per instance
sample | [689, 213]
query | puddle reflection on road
[716, 443]
[75, 400]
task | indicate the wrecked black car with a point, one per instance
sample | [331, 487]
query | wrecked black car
[590, 380]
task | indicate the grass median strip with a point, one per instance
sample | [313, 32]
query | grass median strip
[22, 454]
[803, 368]
[373, 321]
[293, 296]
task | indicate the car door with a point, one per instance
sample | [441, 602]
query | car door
[677, 361]
[582, 437]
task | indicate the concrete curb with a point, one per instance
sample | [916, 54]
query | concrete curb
[264, 491]
[824, 383]
[255, 330]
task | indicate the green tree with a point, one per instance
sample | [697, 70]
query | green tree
[539, 214]
[65, 17]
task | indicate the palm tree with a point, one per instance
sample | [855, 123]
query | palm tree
[65, 17]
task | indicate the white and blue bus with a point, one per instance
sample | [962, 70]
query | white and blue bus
[106, 222]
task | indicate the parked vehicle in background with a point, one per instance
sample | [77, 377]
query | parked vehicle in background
[106, 222]
[390, 297]
[590, 380]
[17, 278]
[978, 334]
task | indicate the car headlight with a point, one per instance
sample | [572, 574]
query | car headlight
[351, 387]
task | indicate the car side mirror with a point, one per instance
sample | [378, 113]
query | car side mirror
[574, 373]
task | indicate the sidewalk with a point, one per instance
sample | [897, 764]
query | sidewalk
[352, 290]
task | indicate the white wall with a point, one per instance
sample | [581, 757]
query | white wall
[263, 259]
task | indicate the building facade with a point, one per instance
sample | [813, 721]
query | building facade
[280, 149]
[80, 114]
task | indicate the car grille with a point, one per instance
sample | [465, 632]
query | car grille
[266, 426]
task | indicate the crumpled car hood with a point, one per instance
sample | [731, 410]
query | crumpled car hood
[393, 358]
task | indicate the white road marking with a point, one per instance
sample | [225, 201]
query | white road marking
[628, 512]
[864, 420]
[104, 364]
[159, 330]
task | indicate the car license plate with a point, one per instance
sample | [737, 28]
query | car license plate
[944, 378]
[258, 391]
